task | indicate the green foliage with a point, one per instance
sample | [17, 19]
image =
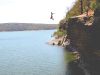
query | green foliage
[60, 33]
[67, 16]
[70, 57]
[93, 5]
[61, 29]
[91, 19]
[84, 9]
[97, 7]
[60, 24]
[76, 10]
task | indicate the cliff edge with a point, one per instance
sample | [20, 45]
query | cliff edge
[84, 34]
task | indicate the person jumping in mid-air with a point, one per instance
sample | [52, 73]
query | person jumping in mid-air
[51, 16]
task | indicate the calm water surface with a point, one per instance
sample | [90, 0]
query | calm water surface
[25, 53]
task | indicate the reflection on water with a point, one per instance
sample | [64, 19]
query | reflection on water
[25, 53]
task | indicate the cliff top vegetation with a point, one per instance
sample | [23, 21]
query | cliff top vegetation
[76, 10]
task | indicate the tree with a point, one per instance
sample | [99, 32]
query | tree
[81, 7]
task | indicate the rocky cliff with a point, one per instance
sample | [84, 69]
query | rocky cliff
[58, 41]
[84, 34]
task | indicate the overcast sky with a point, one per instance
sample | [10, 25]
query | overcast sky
[33, 11]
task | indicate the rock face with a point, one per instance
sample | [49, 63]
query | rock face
[85, 37]
[58, 41]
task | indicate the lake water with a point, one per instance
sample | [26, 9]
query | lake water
[25, 53]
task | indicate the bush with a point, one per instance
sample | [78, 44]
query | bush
[60, 33]
[97, 10]
[93, 5]
[97, 7]
[91, 19]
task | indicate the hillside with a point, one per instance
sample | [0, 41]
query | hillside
[26, 26]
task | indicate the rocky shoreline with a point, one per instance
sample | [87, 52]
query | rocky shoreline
[59, 41]
[80, 61]
[84, 36]
[63, 42]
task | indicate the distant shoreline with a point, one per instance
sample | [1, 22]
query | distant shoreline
[6, 27]
[27, 30]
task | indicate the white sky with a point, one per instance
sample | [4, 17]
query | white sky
[33, 11]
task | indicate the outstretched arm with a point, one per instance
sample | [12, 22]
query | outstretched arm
[52, 13]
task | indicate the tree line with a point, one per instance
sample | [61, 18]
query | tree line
[26, 26]
[80, 7]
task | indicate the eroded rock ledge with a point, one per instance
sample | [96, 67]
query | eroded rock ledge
[85, 37]
[59, 41]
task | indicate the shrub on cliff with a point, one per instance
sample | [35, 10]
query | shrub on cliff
[97, 10]
[60, 33]
[93, 5]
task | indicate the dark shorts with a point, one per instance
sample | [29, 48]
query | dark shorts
[87, 10]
